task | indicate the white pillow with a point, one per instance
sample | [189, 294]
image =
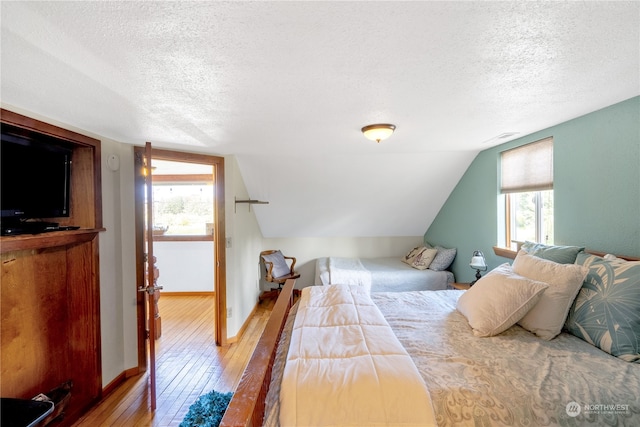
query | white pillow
[565, 280]
[498, 300]
[280, 266]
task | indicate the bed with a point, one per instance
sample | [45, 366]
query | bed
[389, 274]
[512, 378]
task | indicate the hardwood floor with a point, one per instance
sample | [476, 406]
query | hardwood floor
[189, 364]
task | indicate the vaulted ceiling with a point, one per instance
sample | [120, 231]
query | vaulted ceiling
[286, 87]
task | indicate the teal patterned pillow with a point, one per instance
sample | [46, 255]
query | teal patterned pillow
[606, 312]
[559, 254]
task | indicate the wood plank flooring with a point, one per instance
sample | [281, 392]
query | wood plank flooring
[189, 364]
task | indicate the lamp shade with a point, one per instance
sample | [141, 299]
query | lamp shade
[478, 261]
[378, 132]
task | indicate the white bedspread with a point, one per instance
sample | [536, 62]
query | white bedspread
[345, 366]
[386, 274]
[349, 271]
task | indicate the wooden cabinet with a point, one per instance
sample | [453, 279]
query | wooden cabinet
[50, 296]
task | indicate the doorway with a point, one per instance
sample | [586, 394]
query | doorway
[185, 173]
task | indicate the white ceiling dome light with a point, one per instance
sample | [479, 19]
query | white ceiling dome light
[378, 132]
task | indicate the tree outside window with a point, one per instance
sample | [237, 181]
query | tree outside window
[183, 208]
[531, 217]
[183, 198]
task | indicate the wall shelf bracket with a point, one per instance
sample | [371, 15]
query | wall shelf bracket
[248, 202]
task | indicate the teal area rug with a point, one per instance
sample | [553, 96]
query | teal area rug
[208, 410]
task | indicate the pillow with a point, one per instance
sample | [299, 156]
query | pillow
[498, 300]
[412, 254]
[559, 254]
[606, 312]
[280, 266]
[423, 260]
[547, 317]
[420, 257]
[443, 258]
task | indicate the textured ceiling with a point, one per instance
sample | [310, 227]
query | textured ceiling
[286, 87]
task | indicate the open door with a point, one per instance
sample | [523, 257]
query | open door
[144, 250]
[148, 288]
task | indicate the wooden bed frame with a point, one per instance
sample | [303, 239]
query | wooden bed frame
[248, 403]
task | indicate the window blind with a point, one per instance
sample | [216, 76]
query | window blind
[528, 167]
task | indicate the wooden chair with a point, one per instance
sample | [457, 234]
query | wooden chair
[277, 271]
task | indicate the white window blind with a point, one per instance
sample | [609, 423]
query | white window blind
[528, 167]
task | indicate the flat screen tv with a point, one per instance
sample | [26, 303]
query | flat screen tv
[35, 175]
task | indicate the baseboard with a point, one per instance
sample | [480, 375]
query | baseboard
[188, 294]
[245, 325]
[119, 380]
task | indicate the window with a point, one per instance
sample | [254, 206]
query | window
[183, 199]
[527, 186]
[182, 208]
[531, 217]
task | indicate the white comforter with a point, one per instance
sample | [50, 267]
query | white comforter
[349, 271]
[345, 366]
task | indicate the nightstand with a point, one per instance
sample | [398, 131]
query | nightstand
[460, 286]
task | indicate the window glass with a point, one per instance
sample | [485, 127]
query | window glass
[183, 198]
[183, 209]
[531, 217]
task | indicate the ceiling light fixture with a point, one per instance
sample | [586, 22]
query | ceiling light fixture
[378, 132]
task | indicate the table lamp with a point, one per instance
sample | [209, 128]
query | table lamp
[477, 263]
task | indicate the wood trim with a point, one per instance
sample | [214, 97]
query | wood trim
[46, 240]
[247, 405]
[243, 328]
[109, 388]
[220, 285]
[601, 254]
[138, 178]
[188, 294]
[193, 178]
[219, 238]
[504, 252]
[87, 176]
[511, 254]
[117, 381]
[25, 122]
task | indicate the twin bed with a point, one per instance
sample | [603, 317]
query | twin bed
[388, 274]
[513, 378]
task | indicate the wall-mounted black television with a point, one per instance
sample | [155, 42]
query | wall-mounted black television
[35, 176]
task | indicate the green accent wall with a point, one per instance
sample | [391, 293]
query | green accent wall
[596, 188]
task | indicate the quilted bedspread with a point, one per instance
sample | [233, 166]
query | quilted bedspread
[512, 379]
[345, 366]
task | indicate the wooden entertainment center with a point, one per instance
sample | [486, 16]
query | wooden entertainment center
[50, 295]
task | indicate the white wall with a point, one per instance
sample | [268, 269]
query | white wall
[242, 257]
[118, 318]
[243, 261]
[185, 266]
